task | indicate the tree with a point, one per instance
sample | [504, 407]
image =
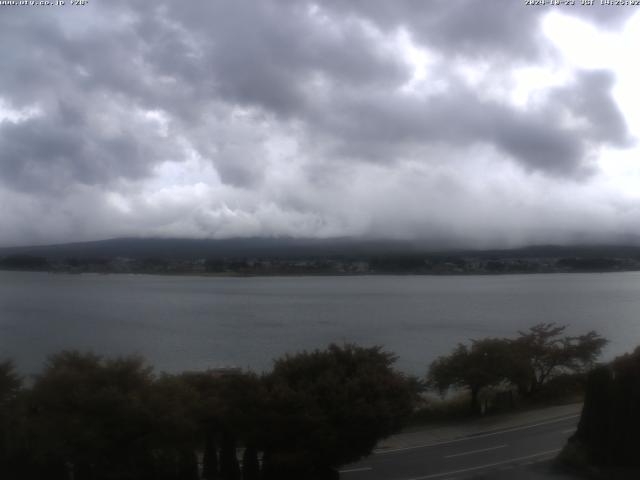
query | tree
[542, 353]
[173, 431]
[10, 385]
[250, 464]
[210, 457]
[330, 407]
[229, 408]
[91, 413]
[24, 262]
[607, 433]
[527, 362]
[92, 418]
[10, 382]
[485, 363]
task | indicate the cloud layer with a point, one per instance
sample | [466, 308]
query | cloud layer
[281, 117]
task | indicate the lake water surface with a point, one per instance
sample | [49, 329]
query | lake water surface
[188, 323]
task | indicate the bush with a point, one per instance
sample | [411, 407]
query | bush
[565, 388]
[96, 418]
[434, 409]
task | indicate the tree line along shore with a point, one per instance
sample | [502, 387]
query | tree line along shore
[89, 417]
[394, 264]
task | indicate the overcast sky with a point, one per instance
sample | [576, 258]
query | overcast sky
[477, 123]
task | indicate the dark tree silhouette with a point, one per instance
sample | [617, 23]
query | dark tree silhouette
[89, 413]
[10, 384]
[210, 457]
[484, 363]
[92, 418]
[229, 410]
[24, 262]
[527, 362]
[607, 434]
[330, 407]
[250, 464]
[543, 352]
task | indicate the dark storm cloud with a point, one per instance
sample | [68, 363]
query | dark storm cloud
[261, 54]
[72, 138]
[120, 87]
[56, 151]
[465, 27]
[543, 141]
[509, 29]
[590, 99]
[187, 62]
[385, 128]
[266, 55]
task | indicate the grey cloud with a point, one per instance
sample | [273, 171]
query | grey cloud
[541, 146]
[383, 128]
[508, 29]
[240, 165]
[324, 75]
[262, 54]
[590, 99]
[465, 27]
[607, 16]
[53, 152]
[185, 61]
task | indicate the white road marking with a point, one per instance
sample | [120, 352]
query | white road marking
[570, 430]
[488, 465]
[475, 451]
[473, 437]
[353, 470]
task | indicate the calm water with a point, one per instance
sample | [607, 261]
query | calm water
[182, 323]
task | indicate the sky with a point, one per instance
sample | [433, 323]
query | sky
[461, 123]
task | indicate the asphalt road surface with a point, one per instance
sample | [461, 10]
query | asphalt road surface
[520, 453]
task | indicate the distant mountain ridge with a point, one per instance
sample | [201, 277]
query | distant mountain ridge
[189, 249]
[287, 248]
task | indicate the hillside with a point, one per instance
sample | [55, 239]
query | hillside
[283, 256]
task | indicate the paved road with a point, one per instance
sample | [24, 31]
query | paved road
[509, 453]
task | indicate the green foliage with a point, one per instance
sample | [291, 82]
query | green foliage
[527, 363]
[483, 364]
[229, 401]
[561, 389]
[10, 382]
[542, 353]
[99, 418]
[250, 464]
[92, 413]
[24, 262]
[436, 409]
[171, 405]
[336, 404]
[610, 421]
[90, 417]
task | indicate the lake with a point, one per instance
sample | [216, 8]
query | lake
[189, 323]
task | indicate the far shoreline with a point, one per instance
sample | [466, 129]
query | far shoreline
[312, 274]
